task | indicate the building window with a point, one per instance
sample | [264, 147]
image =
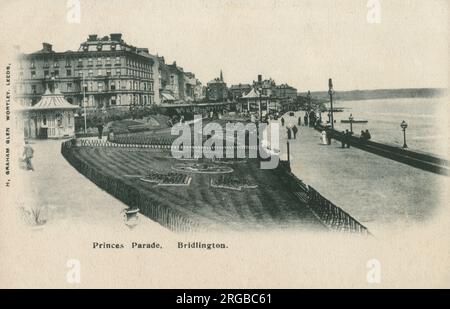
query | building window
[69, 87]
[46, 65]
[80, 73]
[69, 72]
[108, 72]
[33, 89]
[32, 64]
[90, 62]
[99, 72]
[91, 73]
[117, 60]
[46, 73]
[118, 72]
[113, 86]
[108, 61]
[99, 62]
[56, 73]
[56, 64]
[33, 74]
[80, 62]
[119, 99]
[100, 87]
[113, 101]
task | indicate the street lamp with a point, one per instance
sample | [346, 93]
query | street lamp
[350, 119]
[260, 103]
[404, 125]
[330, 92]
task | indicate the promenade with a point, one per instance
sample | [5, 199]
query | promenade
[378, 192]
[71, 201]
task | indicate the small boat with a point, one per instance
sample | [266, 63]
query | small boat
[355, 121]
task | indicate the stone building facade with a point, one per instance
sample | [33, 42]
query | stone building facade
[216, 89]
[105, 73]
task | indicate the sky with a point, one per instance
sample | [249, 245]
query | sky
[301, 42]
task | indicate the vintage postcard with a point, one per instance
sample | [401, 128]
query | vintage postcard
[224, 144]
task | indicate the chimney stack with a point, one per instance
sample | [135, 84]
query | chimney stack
[116, 37]
[259, 78]
[92, 37]
[47, 47]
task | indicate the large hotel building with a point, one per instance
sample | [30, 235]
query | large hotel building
[105, 72]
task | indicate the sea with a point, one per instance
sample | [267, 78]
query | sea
[427, 119]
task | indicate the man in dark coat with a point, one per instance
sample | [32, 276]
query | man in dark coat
[295, 130]
[347, 138]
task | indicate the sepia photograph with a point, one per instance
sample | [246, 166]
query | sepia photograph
[225, 144]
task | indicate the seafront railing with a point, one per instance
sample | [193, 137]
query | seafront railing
[416, 159]
[330, 215]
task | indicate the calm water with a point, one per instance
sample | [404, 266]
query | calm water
[427, 122]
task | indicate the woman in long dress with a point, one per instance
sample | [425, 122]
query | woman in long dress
[324, 138]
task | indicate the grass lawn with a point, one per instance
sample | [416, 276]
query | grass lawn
[269, 205]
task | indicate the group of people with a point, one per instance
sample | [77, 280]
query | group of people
[292, 132]
[345, 139]
[365, 136]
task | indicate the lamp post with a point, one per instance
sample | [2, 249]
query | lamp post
[260, 103]
[308, 98]
[84, 106]
[350, 119]
[330, 92]
[404, 125]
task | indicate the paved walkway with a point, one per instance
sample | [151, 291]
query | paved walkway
[376, 191]
[69, 199]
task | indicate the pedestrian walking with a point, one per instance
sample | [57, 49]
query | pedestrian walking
[328, 136]
[100, 130]
[324, 138]
[28, 153]
[289, 133]
[347, 138]
[299, 121]
[282, 121]
[343, 139]
[305, 119]
[295, 130]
